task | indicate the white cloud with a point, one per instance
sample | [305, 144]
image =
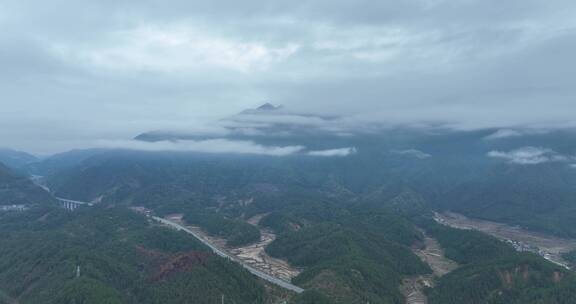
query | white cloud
[333, 152]
[224, 146]
[413, 153]
[202, 146]
[503, 133]
[530, 156]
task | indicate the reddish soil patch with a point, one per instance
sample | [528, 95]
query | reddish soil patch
[557, 277]
[166, 264]
[181, 263]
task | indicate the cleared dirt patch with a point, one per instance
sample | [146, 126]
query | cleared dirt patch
[181, 263]
[165, 264]
[433, 255]
[256, 256]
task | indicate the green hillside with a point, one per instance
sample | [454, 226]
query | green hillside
[493, 272]
[352, 258]
[122, 258]
[16, 189]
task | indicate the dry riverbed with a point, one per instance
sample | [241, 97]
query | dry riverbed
[433, 255]
[253, 254]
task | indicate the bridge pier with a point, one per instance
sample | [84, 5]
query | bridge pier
[71, 205]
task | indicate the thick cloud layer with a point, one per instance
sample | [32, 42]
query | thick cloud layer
[225, 146]
[77, 72]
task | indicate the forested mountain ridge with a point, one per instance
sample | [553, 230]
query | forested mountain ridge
[346, 266]
[350, 220]
[98, 255]
[16, 159]
[16, 189]
[352, 257]
[491, 271]
[467, 172]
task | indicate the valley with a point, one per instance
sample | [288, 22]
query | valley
[256, 256]
[433, 255]
[353, 229]
[252, 256]
[548, 246]
[287, 152]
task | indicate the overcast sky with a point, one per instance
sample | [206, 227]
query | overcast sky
[77, 72]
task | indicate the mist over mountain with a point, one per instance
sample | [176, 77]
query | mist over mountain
[529, 173]
[288, 152]
[399, 176]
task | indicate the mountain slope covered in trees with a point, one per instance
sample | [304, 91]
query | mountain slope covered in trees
[491, 271]
[350, 220]
[112, 255]
[16, 189]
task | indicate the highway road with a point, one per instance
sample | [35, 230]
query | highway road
[254, 271]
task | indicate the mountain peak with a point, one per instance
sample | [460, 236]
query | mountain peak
[268, 107]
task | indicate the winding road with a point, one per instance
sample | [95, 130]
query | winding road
[256, 272]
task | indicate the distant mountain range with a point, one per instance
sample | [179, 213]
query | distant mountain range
[16, 159]
[521, 176]
[348, 212]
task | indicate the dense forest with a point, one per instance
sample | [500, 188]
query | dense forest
[349, 221]
[111, 255]
[350, 257]
[17, 189]
[449, 170]
[492, 272]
